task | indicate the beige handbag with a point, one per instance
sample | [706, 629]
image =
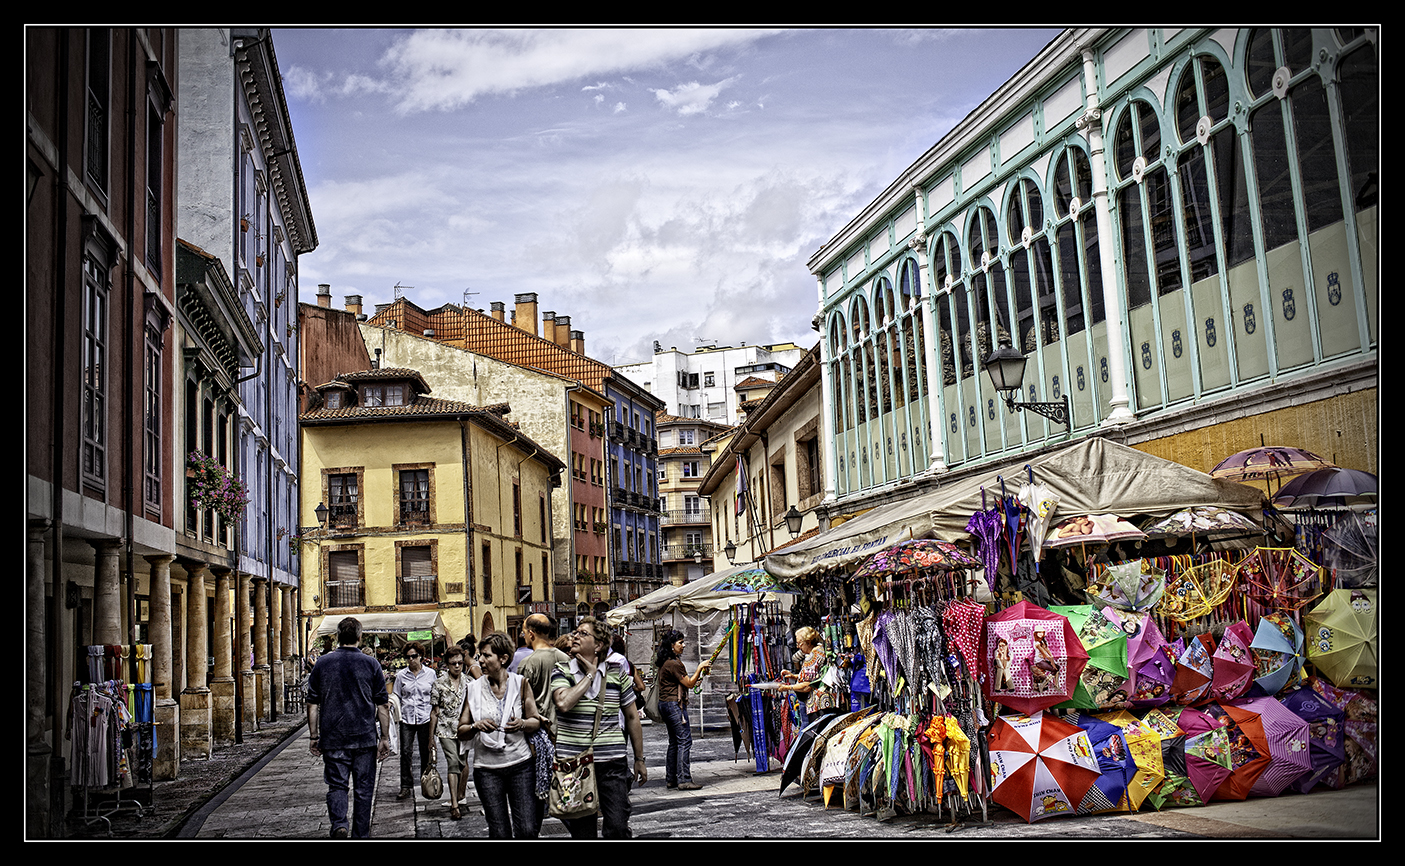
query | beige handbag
[431, 786]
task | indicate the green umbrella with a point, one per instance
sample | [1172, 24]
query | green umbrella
[1106, 673]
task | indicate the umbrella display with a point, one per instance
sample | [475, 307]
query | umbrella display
[1267, 462]
[1206, 523]
[919, 554]
[1287, 739]
[1361, 713]
[987, 526]
[1115, 763]
[1136, 585]
[1248, 749]
[1094, 529]
[1233, 662]
[1173, 768]
[839, 753]
[754, 580]
[1194, 670]
[1341, 637]
[1279, 578]
[1278, 653]
[1104, 681]
[1154, 678]
[1032, 658]
[1207, 753]
[1333, 487]
[799, 751]
[810, 767]
[1040, 766]
[1196, 591]
[1326, 735]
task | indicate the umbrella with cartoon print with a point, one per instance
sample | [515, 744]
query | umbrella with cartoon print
[1287, 739]
[1341, 637]
[1278, 653]
[1040, 765]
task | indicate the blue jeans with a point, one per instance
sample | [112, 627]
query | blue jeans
[341, 768]
[509, 789]
[613, 780]
[679, 766]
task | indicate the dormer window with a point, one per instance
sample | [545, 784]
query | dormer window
[383, 395]
[334, 400]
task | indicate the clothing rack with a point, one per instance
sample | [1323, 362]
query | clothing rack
[111, 733]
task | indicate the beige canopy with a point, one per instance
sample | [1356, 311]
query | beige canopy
[695, 597]
[389, 622]
[1091, 476]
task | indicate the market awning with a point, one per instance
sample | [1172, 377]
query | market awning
[389, 622]
[694, 597]
[1091, 476]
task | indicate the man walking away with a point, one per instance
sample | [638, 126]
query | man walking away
[346, 699]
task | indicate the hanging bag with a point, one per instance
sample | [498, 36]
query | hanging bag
[431, 786]
[573, 789]
[651, 701]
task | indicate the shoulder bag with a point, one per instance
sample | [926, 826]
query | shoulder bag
[651, 700]
[431, 786]
[573, 791]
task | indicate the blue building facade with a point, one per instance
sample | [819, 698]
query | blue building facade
[636, 554]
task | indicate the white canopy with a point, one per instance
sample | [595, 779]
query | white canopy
[695, 597]
[389, 622]
[1091, 476]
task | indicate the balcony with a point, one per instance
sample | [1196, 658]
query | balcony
[680, 517]
[421, 589]
[346, 593]
[677, 552]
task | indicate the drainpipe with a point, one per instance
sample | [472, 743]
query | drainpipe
[469, 552]
[1091, 123]
[129, 278]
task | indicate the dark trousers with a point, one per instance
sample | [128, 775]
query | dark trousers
[612, 783]
[341, 769]
[409, 734]
[678, 767]
[509, 790]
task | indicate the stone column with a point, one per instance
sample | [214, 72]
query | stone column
[107, 593]
[38, 751]
[263, 705]
[166, 712]
[197, 742]
[276, 616]
[222, 683]
[247, 682]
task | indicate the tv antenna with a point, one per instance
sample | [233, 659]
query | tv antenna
[400, 291]
[466, 293]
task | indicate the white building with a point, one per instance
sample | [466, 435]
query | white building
[701, 384]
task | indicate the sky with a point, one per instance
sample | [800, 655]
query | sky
[652, 184]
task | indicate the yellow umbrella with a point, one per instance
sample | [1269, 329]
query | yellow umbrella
[1144, 744]
[1341, 637]
[958, 756]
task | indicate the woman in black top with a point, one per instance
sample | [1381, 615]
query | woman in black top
[674, 684]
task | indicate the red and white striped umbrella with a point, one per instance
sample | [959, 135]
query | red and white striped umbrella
[1040, 765]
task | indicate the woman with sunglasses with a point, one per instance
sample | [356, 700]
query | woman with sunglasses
[446, 701]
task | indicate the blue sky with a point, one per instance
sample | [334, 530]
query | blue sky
[653, 184]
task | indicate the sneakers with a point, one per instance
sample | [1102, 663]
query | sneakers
[689, 786]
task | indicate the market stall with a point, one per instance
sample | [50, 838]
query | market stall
[1109, 631]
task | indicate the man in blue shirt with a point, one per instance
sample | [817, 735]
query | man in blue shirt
[346, 699]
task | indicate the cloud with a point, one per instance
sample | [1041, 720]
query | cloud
[619, 106]
[692, 98]
[440, 70]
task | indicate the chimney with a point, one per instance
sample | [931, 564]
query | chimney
[353, 304]
[578, 342]
[499, 311]
[563, 331]
[549, 326]
[525, 316]
[324, 295]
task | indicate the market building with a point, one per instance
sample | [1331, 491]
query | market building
[610, 571]
[422, 504]
[1175, 228]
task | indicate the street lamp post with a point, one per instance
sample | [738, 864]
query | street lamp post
[731, 551]
[1005, 366]
[793, 520]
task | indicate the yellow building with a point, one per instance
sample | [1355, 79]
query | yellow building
[421, 505]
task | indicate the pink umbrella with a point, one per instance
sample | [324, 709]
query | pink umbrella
[1194, 670]
[1233, 662]
[1287, 735]
[1032, 658]
[1207, 751]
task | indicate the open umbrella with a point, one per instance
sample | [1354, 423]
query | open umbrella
[1085, 529]
[810, 768]
[1154, 677]
[1350, 552]
[1194, 670]
[987, 526]
[1032, 658]
[1326, 735]
[1174, 783]
[1267, 462]
[1040, 765]
[1196, 591]
[1341, 637]
[1287, 739]
[1207, 752]
[755, 580]
[1104, 681]
[839, 754]
[1115, 763]
[1207, 523]
[799, 751]
[1361, 712]
[1279, 578]
[1233, 662]
[1334, 487]
[1144, 745]
[1248, 749]
[914, 555]
[1278, 653]
[1136, 585]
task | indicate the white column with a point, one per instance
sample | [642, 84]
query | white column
[1091, 122]
[929, 343]
[826, 400]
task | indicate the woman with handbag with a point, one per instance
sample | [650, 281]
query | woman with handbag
[500, 714]
[674, 683]
[591, 777]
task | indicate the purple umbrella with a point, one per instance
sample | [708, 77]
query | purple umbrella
[1326, 735]
[1287, 745]
[987, 526]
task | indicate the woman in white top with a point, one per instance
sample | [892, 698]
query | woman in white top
[500, 714]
